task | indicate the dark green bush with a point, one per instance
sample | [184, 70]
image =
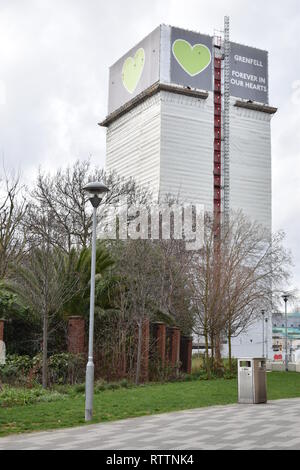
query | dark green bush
[80, 388]
[113, 386]
[125, 384]
[66, 369]
[62, 369]
[159, 372]
[101, 385]
[100, 388]
[16, 369]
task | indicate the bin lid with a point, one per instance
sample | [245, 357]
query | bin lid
[252, 359]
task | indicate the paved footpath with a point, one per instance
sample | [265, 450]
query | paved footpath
[272, 426]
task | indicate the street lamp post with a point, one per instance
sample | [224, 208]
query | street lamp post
[286, 298]
[94, 190]
[263, 332]
[267, 339]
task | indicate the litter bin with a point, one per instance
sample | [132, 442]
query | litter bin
[252, 383]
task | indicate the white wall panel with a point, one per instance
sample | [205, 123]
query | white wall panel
[133, 144]
[187, 136]
[250, 164]
[166, 143]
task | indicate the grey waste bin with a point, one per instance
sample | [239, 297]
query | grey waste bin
[252, 383]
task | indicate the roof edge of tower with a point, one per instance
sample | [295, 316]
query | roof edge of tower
[152, 90]
[264, 108]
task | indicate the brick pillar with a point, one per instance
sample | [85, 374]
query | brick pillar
[145, 351]
[189, 355]
[186, 351]
[76, 335]
[175, 346]
[161, 341]
[1, 330]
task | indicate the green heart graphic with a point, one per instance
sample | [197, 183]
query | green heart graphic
[194, 59]
[132, 70]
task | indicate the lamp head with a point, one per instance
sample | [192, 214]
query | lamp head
[95, 191]
[285, 297]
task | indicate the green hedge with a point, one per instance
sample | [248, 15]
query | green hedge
[24, 370]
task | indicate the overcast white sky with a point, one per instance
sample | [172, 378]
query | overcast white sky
[54, 59]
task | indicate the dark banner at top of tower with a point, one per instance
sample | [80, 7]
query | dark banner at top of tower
[134, 72]
[190, 59]
[185, 58]
[249, 77]
[168, 55]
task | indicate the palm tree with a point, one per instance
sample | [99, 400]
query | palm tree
[79, 265]
[51, 282]
[42, 285]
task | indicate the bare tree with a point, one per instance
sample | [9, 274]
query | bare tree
[137, 268]
[12, 210]
[116, 327]
[173, 297]
[43, 283]
[257, 267]
[62, 194]
[236, 275]
[207, 290]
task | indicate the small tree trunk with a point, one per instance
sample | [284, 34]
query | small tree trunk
[212, 348]
[229, 352]
[124, 361]
[45, 351]
[218, 355]
[139, 354]
[207, 358]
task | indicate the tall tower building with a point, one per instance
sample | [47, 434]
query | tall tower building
[189, 115]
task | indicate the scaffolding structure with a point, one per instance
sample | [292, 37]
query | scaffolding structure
[222, 125]
[226, 157]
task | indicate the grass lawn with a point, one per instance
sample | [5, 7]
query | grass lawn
[111, 405]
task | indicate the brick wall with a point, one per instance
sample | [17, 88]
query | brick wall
[161, 341]
[186, 350]
[76, 335]
[145, 351]
[175, 347]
